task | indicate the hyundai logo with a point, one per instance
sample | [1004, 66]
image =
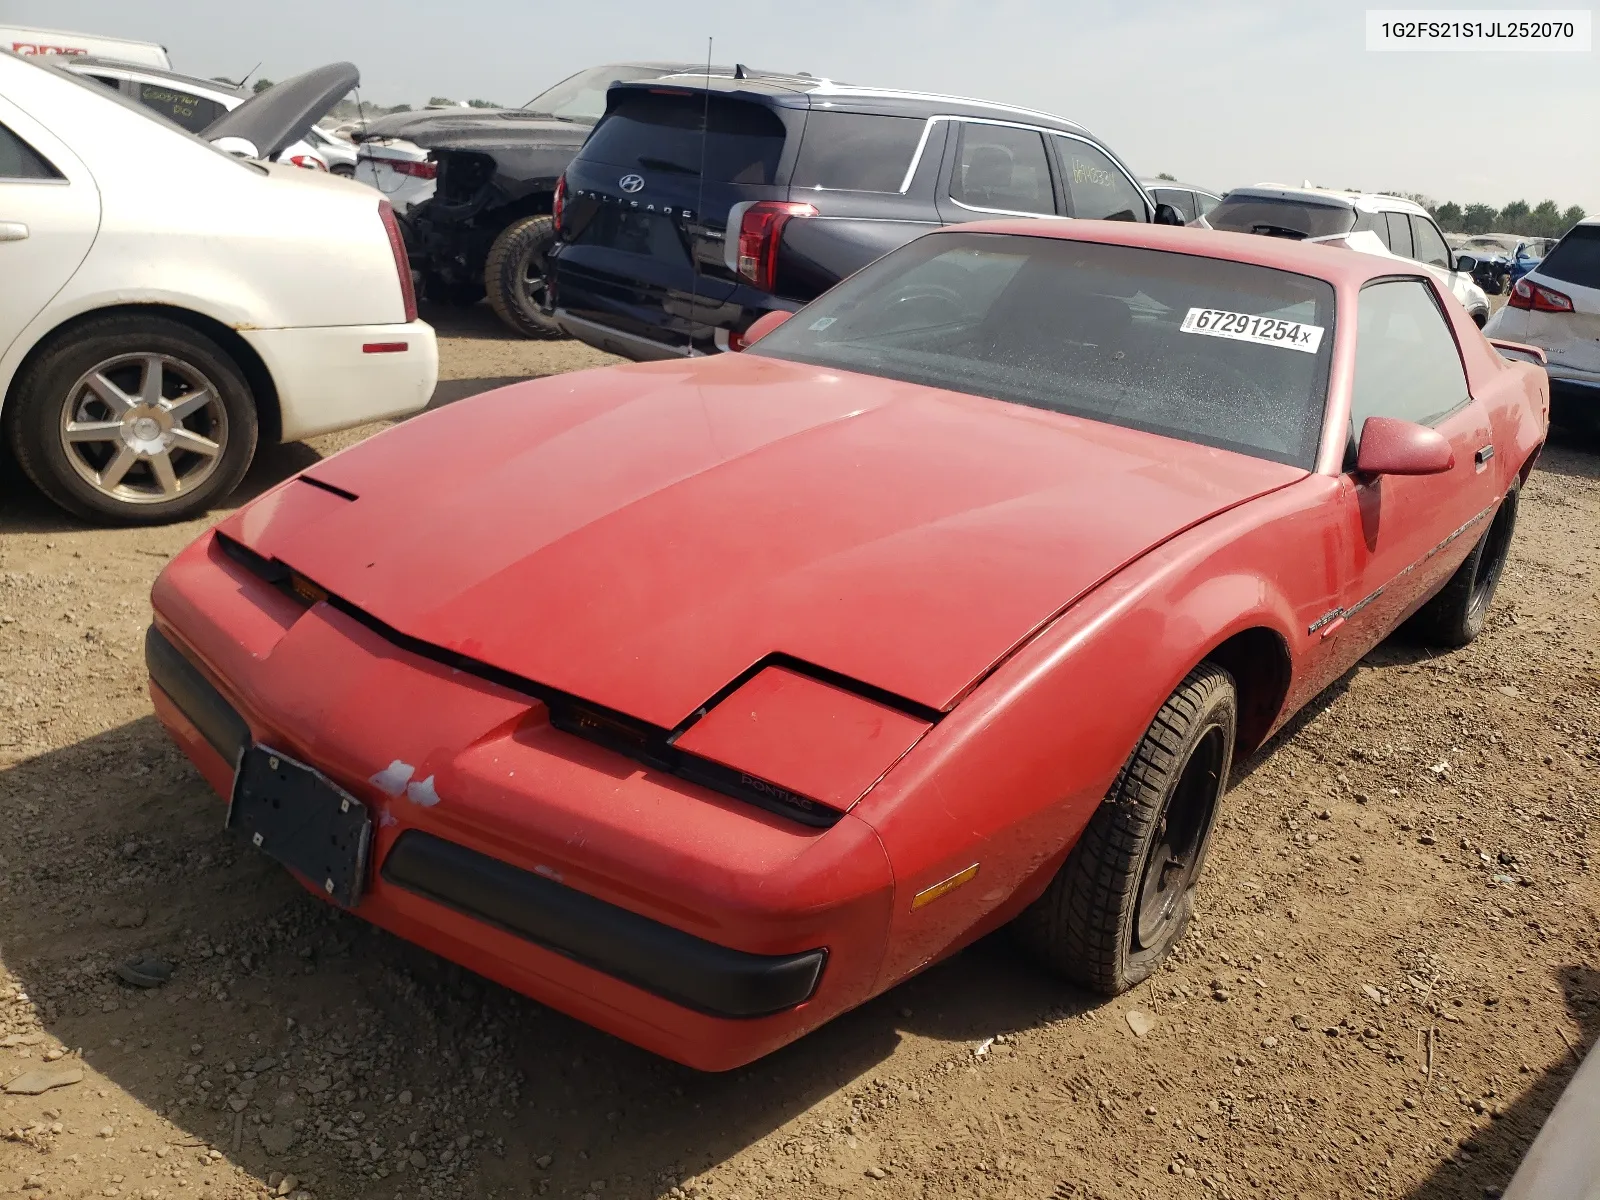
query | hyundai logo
[631, 183]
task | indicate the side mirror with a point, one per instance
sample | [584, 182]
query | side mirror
[237, 146]
[761, 327]
[1390, 446]
[1466, 262]
[1167, 215]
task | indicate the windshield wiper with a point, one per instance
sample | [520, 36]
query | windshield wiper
[1280, 231]
[663, 164]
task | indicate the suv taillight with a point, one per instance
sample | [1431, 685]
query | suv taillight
[760, 231]
[402, 264]
[1537, 298]
[558, 202]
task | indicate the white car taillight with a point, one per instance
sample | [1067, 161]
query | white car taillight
[309, 161]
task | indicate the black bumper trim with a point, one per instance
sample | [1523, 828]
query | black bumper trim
[217, 720]
[677, 966]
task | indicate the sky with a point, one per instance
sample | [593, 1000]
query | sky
[1218, 94]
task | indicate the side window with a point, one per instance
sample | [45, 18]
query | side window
[18, 160]
[856, 152]
[111, 82]
[191, 112]
[1407, 362]
[1206, 202]
[1099, 189]
[998, 167]
[1400, 234]
[1180, 200]
[1428, 243]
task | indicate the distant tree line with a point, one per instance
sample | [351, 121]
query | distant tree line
[1545, 219]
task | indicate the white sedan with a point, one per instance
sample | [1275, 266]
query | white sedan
[147, 346]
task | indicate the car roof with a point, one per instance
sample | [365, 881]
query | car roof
[758, 85]
[131, 69]
[1363, 201]
[1336, 264]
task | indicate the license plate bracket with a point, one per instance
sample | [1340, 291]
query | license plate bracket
[298, 816]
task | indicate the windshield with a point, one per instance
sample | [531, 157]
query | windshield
[1221, 353]
[582, 97]
[1281, 218]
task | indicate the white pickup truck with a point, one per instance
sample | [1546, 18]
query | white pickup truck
[25, 39]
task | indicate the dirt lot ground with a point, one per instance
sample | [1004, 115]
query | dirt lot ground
[1395, 969]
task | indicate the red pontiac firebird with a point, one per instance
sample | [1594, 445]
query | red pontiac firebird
[704, 700]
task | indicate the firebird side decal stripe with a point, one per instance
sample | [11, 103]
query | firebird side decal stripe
[1335, 614]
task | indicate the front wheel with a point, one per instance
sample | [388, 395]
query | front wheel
[514, 276]
[1123, 897]
[1455, 617]
[133, 420]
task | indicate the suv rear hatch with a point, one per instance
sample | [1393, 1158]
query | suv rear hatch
[647, 204]
[1282, 215]
[1571, 271]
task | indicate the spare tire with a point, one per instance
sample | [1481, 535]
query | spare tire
[514, 276]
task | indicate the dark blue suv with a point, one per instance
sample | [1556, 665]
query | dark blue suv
[703, 201]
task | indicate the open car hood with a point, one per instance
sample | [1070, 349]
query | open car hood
[640, 536]
[283, 114]
[474, 128]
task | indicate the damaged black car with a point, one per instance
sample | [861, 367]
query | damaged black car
[487, 226]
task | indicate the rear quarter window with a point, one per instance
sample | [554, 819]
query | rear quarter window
[1576, 258]
[661, 131]
[856, 152]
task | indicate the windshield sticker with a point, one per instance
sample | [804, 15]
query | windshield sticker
[1242, 327]
[823, 322]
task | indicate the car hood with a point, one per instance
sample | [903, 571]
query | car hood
[283, 114]
[476, 128]
[638, 536]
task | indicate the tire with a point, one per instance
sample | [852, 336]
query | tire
[1106, 921]
[343, 169]
[133, 461]
[514, 276]
[1455, 617]
[451, 293]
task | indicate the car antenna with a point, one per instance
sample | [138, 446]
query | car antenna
[738, 70]
[700, 198]
[239, 87]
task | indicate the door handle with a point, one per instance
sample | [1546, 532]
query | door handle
[12, 231]
[1484, 454]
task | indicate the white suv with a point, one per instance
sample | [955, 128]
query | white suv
[1556, 307]
[1397, 228]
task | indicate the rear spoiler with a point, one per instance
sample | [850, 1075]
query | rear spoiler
[1518, 350]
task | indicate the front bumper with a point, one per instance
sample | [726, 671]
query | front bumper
[335, 377]
[699, 928]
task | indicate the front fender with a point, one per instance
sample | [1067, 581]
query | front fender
[1010, 777]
